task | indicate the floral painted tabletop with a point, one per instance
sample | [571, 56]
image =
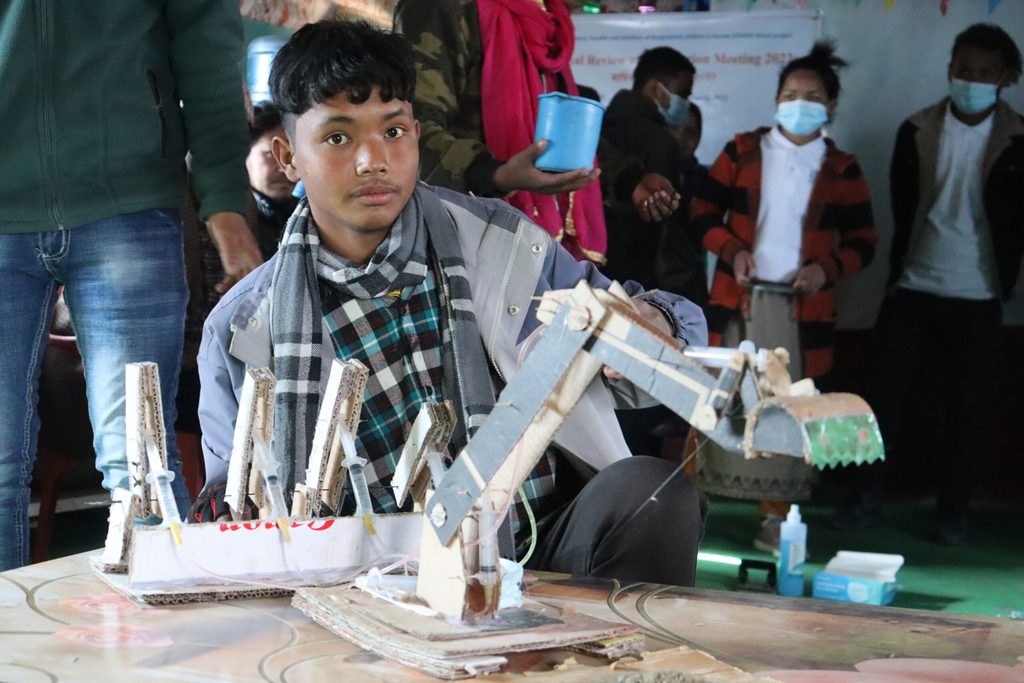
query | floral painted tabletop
[59, 622]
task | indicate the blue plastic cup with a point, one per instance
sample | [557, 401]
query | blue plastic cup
[572, 127]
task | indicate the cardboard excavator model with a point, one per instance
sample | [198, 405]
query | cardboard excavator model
[742, 399]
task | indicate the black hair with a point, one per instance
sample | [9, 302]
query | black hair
[991, 37]
[329, 57]
[660, 62]
[265, 118]
[588, 92]
[823, 61]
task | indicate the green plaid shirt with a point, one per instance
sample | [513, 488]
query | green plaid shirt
[400, 339]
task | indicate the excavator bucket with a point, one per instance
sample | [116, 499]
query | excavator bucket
[826, 430]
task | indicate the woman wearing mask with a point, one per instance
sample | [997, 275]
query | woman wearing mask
[787, 214]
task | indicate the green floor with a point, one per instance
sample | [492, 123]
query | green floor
[985, 576]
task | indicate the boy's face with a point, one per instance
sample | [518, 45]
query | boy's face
[978, 65]
[358, 163]
[265, 175]
[680, 84]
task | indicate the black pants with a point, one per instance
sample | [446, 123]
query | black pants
[638, 425]
[911, 324]
[614, 528]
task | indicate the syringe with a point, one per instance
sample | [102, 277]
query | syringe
[355, 465]
[272, 487]
[158, 475]
[436, 465]
[278, 510]
[161, 481]
[720, 357]
[488, 548]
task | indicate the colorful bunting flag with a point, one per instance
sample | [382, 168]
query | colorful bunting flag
[943, 6]
[992, 4]
[889, 4]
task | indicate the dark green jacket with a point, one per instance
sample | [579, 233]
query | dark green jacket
[92, 128]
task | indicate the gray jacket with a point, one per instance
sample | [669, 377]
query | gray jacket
[509, 260]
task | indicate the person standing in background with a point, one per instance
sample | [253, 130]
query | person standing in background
[480, 67]
[271, 189]
[681, 264]
[640, 163]
[957, 181]
[639, 145]
[98, 124]
[787, 214]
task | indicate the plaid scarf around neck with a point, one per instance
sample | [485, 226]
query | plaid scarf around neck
[401, 260]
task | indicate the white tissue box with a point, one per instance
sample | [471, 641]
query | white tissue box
[867, 578]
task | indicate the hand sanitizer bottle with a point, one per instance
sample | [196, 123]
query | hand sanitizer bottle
[792, 553]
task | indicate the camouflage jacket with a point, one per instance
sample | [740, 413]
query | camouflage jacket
[445, 37]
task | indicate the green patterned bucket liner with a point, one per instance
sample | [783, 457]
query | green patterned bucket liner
[825, 430]
[843, 440]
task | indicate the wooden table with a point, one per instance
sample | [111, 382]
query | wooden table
[58, 622]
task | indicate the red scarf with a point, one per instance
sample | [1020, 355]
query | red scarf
[526, 50]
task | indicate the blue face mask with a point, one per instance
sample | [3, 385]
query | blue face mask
[675, 113]
[973, 98]
[801, 117]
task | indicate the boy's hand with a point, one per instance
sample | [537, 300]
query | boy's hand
[237, 247]
[654, 198]
[520, 173]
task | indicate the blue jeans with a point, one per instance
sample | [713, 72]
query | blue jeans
[125, 287]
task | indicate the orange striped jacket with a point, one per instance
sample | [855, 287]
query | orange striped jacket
[838, 234]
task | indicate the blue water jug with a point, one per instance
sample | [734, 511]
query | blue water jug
[260, 57]
[572, 127]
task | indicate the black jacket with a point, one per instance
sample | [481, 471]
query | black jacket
[271, 217]
[635, 141]
[912, 182]
[633, 126]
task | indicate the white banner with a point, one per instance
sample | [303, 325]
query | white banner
[738, 56]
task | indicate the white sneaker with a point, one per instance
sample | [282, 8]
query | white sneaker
[767, 538]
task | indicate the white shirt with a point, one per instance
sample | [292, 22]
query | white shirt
[953, 255]
[788, 172]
